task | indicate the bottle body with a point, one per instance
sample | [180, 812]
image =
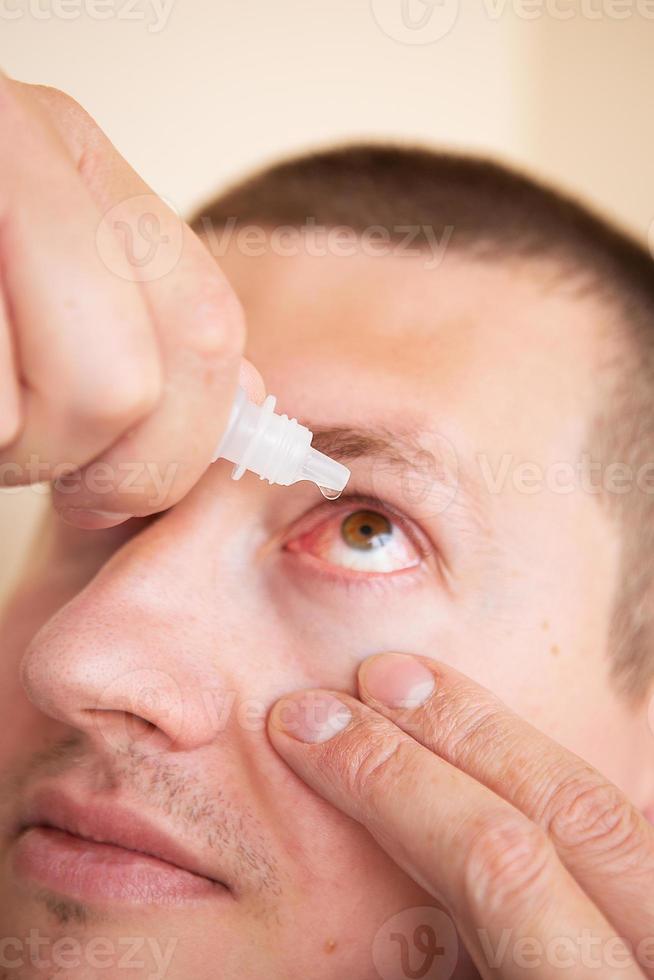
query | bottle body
[275, 447]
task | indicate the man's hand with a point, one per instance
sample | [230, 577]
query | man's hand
[502, 826]
[120, 340]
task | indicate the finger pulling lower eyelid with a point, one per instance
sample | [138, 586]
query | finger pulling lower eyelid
[397, 680]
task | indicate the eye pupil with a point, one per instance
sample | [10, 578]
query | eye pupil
[366, 530]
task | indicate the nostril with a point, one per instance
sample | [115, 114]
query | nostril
[124, 731]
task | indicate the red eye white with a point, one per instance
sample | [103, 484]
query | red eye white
[362, 540]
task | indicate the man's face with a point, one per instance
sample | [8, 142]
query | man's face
[459, 397]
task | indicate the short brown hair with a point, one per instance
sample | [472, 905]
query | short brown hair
[496, 212]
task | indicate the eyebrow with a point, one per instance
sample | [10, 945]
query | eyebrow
[407, 452]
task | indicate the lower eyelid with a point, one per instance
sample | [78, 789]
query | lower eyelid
[404, 577]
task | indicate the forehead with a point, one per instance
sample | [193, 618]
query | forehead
[482, 350]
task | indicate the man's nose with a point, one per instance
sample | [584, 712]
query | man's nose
[144, 655]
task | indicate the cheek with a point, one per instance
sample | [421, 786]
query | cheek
[25, 729]
[523, 633]
[326, 629]
[29, 608]
[340, 886]
[323, 642]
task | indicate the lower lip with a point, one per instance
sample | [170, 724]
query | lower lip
[95, 872]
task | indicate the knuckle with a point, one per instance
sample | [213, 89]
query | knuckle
[218, 322]
[91, 155]
[467, 726]
[371, 761]
[61, 106]
[595, 815]
[51, 96]
[74, 124]
[65, 116]
[507, 864]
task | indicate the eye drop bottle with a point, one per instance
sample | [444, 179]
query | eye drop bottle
[276, 448]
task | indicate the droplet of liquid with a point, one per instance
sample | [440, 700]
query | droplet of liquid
[330, 494]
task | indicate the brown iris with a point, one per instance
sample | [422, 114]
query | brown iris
[366, 530]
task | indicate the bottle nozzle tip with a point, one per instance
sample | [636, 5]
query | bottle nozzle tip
[326, 472]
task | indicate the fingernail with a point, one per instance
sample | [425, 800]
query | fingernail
[397, 680]
[92, 520]
[311, 716]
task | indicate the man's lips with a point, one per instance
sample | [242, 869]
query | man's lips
[100, 851]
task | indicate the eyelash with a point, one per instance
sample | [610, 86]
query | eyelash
[348, 504]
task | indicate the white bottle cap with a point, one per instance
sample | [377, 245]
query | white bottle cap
[276, 448]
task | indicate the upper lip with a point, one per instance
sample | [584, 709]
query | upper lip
[108, 823]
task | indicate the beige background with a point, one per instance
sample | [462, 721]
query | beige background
[194, 91]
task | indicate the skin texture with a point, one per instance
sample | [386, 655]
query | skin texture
[197, 622]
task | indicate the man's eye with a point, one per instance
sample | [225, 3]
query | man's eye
[363, 540]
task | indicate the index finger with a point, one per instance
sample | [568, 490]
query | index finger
[606, 844]
[197, 320]
[79, 347]
[482, 859]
